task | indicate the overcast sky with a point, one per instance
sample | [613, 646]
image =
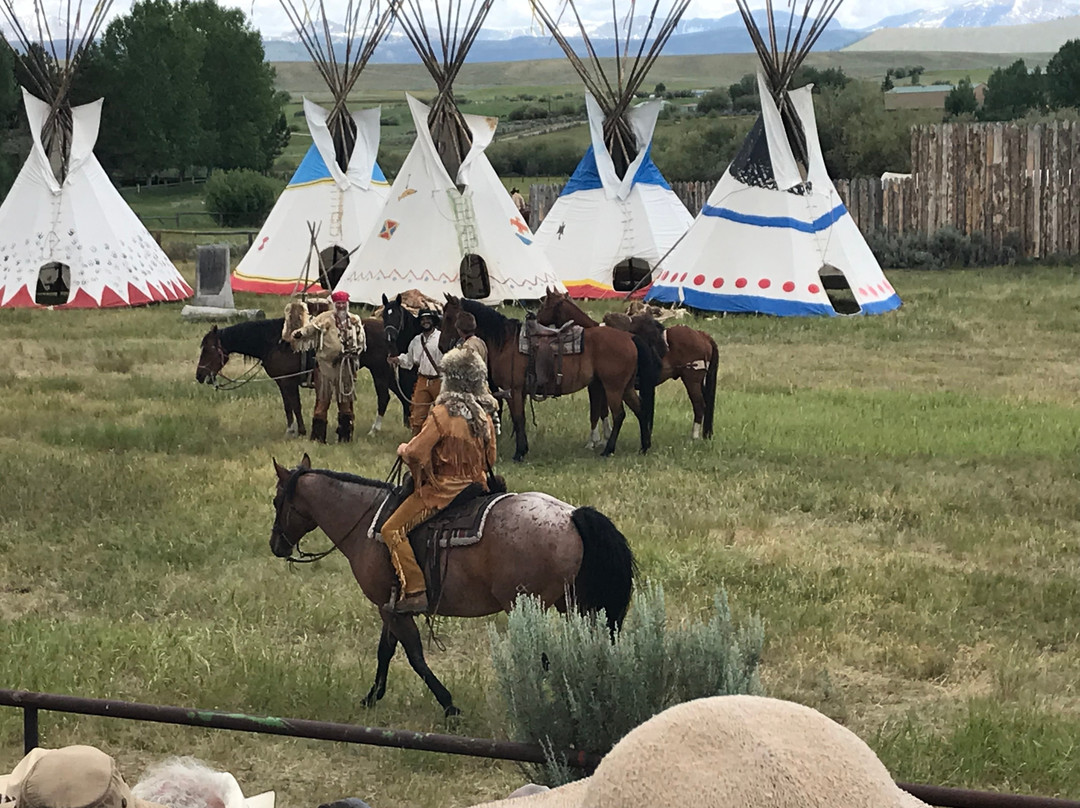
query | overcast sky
[268, 16]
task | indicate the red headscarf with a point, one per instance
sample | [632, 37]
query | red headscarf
[340, 297]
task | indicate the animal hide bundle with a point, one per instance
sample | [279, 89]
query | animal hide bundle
[296, 317]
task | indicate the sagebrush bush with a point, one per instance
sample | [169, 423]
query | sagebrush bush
[947, 248]
[568, 686]
[241, 198]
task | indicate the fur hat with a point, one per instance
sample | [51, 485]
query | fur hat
[733, 750]
[463, 371]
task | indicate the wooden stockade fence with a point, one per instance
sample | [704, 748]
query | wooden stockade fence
[1016, 184]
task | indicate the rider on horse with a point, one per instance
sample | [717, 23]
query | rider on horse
[455, 448]
[339, 339]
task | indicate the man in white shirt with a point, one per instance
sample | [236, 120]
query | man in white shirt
[424, 355]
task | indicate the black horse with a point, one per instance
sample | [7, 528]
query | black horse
[261, 340]
[401, 326]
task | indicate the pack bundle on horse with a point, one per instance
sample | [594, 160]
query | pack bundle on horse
[607, 366]
[527, 543]
[685, 353]
[261, 340]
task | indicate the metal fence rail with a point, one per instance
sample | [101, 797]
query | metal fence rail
[31, 703]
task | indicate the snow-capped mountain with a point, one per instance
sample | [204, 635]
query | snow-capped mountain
[983, 13]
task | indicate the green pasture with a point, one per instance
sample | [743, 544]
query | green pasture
[897, 496]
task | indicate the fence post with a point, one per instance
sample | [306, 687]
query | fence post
[30, 729]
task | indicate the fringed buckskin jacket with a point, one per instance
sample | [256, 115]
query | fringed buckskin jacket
[322, 334]
[446, 456]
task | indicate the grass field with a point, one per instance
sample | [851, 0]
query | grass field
[897, 496]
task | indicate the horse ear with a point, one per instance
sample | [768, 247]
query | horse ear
[305, 461]
[385, 302]
[213, 328]
[398, 298]
[282, 472]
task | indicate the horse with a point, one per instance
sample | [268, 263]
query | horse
[261, 340]
[401, 326]
[607, 366]
[531, 544]
[685, 353]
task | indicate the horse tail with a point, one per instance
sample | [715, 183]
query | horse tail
[648, 375]
[710, 389]
[606, 575]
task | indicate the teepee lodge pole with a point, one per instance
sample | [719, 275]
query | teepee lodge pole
[48, 73]
[366, 23]
[631, 65]
[443, 50]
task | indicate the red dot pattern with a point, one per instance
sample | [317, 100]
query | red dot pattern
[883, 288]
[698, 280]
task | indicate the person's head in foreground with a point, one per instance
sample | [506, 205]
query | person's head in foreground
[725, 751]
[72, 777]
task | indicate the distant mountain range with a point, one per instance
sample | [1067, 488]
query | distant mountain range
[983, 14]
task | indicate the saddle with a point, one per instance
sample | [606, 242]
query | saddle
[546, 346]
[459, 524]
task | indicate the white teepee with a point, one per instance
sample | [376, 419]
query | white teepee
[338, 190]
[617, 216]
[449, 225]
[774, 236]
[344, 206]
[67, 238]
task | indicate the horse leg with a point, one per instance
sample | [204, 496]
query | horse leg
[387, 646]
[693, 381]
[618, 415]
[382, 399]
[290, 401]
[405, 628]
[517, 415]
[597, 411]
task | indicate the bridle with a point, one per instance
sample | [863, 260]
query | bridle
[223, 357]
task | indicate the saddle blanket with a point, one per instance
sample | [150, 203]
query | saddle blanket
[568, 340]
[458, 525]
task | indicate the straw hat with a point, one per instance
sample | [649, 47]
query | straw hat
[72, 777]
[725, 751]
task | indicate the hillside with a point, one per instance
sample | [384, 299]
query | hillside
[1040, 37]
[386, 82]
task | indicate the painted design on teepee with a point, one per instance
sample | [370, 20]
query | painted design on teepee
[774, 237]
[332, 202]
[67, 238]
[458, 214]
[623, 217]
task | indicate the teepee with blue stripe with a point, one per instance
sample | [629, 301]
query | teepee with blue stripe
[338, 190]
[774, 236]
[617, 216]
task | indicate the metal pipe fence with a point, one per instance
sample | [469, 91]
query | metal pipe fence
[32, 703]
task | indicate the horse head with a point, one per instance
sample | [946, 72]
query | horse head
[449, 334]
[212, 357]
[290, 523]
[396, 320]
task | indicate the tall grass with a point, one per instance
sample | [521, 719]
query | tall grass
[896, 496]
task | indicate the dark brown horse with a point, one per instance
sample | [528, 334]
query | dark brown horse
[531, 544]
[687, 354]
[607, 366]
[261, 340]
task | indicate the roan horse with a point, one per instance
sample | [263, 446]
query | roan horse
[608, 365]
[687, 354]
[531, 544]
[261, 340]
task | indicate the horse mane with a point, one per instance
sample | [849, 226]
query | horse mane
[341, 476]
[254, 338]
[489, 322]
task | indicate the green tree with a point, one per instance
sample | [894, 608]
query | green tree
[712, 101]
[147, 65]
[242, 117]
[1011, 92]
[660, 89]
[746, 86]
[833, 77]
[887, 84]
[859, 138]
[241, 198]
[961, 99]
[1063, 76]
[9, 89]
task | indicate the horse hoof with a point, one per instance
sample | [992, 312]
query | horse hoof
[518, 458]
[451, 712]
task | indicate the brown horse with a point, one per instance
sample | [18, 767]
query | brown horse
[531, 544]
[686, 353]
[607, 366]
[261, 340]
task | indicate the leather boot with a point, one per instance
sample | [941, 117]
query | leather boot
[318, 430]
[344, 427]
